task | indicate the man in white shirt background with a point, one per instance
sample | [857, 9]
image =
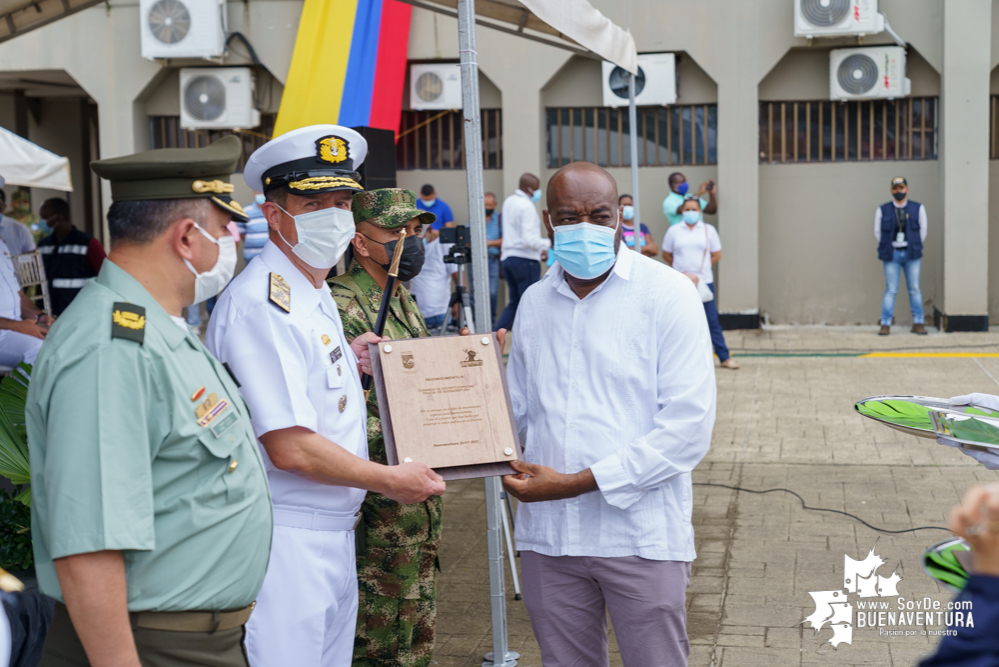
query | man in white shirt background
[523, 248]
[900, 228]
[613, 390]
[15, 234]
[433, 285]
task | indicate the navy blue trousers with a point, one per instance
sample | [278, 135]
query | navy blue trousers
[714, 326]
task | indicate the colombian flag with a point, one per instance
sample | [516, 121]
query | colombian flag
[349, 65]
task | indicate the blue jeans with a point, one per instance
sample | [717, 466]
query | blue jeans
[434, 322]
[893, 269]
[714, 326]
[494, 279]
[520, 274]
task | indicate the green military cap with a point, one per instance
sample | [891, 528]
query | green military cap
[176, 173]
[389, 208]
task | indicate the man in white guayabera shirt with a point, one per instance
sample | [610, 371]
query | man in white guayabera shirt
[613, 390]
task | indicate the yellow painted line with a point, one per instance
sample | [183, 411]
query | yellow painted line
[927, 355]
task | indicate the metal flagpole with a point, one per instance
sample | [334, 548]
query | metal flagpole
[501, 656]
[633, 141]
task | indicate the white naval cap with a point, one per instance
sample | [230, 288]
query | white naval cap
[308, 161]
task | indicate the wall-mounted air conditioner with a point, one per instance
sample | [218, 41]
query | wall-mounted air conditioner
[436, 86]
[836, 18]
[655, 84]
[182, 28]
[217, 98]
[867, 73]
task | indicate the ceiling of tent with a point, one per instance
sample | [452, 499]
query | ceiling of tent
[20, 16]
[507, 16]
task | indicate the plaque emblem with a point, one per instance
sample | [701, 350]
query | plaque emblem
[471, 359]
[407, 360]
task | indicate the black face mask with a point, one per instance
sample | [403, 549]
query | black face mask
[899, 196]
[411, 260]
[489, 212]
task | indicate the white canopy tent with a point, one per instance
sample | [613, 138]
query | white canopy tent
[29, 165]
[569, 24]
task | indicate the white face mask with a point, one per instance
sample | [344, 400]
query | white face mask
[213, 281]
[323, 236]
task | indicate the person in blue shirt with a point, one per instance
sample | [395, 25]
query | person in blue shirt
[977, 520]
[429, 201]
[255, 232]
[494, 239]
[679, 191]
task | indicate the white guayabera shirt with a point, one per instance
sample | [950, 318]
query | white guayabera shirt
[621, 382]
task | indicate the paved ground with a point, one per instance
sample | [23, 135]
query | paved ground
[783, 421]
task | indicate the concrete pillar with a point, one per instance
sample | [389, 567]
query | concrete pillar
[964, 128]
[738, 168]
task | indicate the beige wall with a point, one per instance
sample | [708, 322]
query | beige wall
[818, 256]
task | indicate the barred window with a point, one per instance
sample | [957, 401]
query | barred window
[434, 140]
[853, 131]
[673, 135]
[166, 132]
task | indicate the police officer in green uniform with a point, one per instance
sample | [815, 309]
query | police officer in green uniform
[397, 544]
[151, 515]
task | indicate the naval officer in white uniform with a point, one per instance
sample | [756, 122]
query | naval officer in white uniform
[278, 331]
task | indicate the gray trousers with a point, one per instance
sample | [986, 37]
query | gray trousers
[568, 598]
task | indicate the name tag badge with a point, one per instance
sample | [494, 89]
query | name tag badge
[900, 237]
[223, 424]
[336, 354]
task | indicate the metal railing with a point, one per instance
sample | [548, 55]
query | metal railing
[672, 135]
[849, 131]
[166, 132]
[434, 140]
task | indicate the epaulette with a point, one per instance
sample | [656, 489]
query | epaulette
[280, 293]
[128, 321]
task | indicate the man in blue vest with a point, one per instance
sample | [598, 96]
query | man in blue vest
[900, 228]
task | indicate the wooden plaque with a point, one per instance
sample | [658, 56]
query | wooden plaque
[444, 402]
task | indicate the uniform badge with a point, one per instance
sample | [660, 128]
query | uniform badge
[331, 149]
[280, 293]
[343, 402]
[209, 409]
[336, 354]
[128, 321]
[198, 393]
[326, 339]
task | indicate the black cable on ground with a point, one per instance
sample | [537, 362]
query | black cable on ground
[822, 509]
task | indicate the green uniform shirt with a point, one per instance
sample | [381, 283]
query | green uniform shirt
[120, 462]
[387, 525]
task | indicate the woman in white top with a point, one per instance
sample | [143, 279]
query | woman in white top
[692, 249]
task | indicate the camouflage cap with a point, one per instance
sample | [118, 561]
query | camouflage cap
[389, 208]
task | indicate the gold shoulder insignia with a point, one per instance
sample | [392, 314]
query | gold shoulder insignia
[280, 294]
[331, 149]
[128, 321]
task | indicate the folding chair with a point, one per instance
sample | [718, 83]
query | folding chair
[30, 272]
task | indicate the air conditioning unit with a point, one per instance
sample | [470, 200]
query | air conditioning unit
[182, 28]
[873, 72]
[836, 18]
[655, 84]
[436, 86]
[217, 98]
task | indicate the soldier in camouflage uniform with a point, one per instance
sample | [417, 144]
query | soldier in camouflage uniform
[397, 545]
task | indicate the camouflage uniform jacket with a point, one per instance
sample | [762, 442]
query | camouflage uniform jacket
[388, 527]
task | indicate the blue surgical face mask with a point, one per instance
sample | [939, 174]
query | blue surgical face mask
[536, 196]
[691, 217]
[44, 227]
[259, 199]
[628, 212]
[429, 202]
[585, 250]
[682, 188]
